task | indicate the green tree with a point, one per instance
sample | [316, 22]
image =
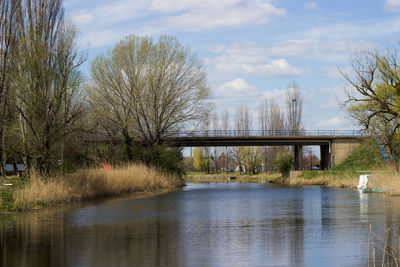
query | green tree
[149, 89]
[251, 158]
[8, 50]
[284, 162]
[373, 99]
[47, 81]
[200, 161]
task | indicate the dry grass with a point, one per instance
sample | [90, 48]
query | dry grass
[388, 180]
[345, 181]
[93, 184]
[232, 177]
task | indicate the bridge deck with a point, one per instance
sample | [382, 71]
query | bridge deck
[255, 140]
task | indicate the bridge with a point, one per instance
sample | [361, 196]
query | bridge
[335, 146]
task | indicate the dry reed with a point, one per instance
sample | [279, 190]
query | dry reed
[345, 181]
[388, 180]
[229, 177]
[93, 184]
[383, 248]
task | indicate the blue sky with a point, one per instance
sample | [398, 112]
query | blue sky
[254, 49]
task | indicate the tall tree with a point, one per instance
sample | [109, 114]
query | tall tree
[277, 117]
[294, 103]
[263, 122]
[373, 98]
[47, 81]
[215, 126]
[263, 115]
[149, 89]
[243, 120]
[276, 126]
[243, 124]
[225, 127]
[8, 48]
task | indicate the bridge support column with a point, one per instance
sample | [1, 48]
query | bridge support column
[298, 157]
[325, 163]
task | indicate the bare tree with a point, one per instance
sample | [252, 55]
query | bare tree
[276, 126]
[149, 89]
[243, 122]
[226, 127]
[8, 48]
[277, 117]
[263, 115]
[294, 102]
[263, 121]
[215, 127]
[47, 81]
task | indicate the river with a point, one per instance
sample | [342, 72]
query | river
[204, 225]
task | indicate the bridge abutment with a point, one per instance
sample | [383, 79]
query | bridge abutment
[341, 148]
[325, 154]
[298, 156]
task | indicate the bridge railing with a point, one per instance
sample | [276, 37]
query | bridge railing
[238, 133]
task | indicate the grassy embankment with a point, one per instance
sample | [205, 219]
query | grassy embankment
[366, 159]
[83, 185]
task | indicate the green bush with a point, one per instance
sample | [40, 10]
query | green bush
[284, 162]
[165, 158]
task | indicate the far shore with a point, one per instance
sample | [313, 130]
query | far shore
[388, 180]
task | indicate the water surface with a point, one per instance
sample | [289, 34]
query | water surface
[203, 225]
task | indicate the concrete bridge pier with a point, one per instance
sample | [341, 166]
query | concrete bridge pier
[298, 156]
[325, 163]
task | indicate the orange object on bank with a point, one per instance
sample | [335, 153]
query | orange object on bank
[106, 167]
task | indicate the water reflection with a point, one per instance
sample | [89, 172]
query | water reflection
[203, 225]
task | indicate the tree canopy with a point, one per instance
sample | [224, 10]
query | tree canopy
[373, 99]
[149, 89]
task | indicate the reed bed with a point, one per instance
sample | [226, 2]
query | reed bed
[388, 180]
[93, 184]
[335, 181]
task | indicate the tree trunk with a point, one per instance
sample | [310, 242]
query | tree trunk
[1, 152]
[128, 144]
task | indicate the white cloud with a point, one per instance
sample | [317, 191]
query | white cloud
[292, 48]
[310, 5]
[148, 17]
[392, 5]
[237, 88]
[83, 19]
[332, 122]
[324, 49]
[199, 15]
[238, 92]
[249, 58]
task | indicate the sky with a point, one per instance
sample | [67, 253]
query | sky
[254, 49]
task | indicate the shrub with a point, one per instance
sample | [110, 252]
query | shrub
[284, 162]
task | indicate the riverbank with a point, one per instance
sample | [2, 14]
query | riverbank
[198, 177]
[82, 185]
[386, 179]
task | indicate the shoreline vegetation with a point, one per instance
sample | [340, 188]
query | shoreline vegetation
[386, 179]
[84, 185]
